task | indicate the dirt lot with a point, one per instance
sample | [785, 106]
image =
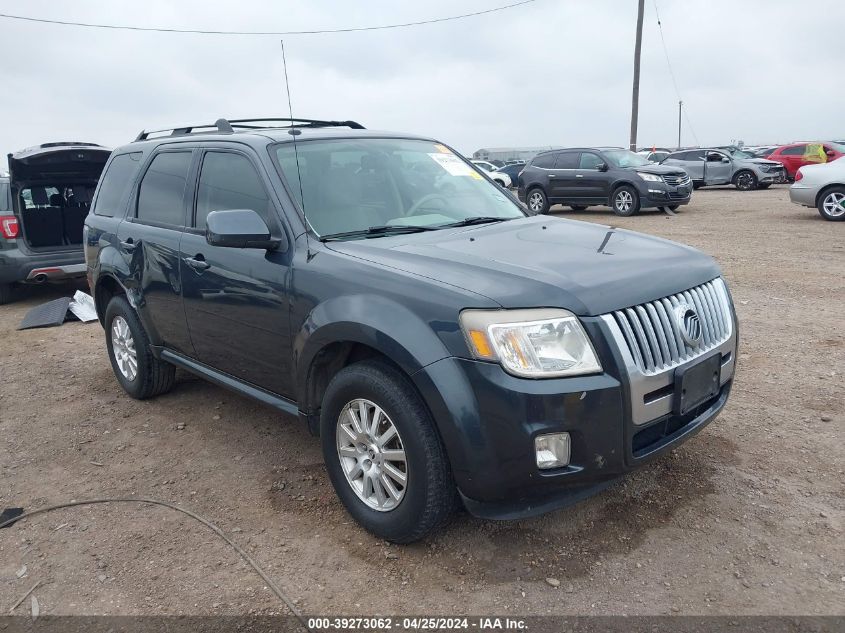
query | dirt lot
[746, 518]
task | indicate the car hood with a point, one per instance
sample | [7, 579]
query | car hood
[659, 170]
[541, 261]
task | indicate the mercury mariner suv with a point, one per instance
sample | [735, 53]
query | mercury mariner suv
[446, 347]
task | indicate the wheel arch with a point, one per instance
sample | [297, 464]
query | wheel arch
[826, 189]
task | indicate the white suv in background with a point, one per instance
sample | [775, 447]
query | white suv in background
[503, 179]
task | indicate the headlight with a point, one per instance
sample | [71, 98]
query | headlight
[649, 177]
[541, 343]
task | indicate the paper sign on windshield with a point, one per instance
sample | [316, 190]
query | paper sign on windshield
[452, 164]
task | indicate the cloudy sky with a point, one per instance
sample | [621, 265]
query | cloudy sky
[553, 72]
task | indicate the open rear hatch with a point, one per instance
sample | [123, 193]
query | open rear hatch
[52, 186]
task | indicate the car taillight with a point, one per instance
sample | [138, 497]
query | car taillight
[9, 227]
[798, 175]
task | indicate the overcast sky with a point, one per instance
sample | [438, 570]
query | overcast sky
[554, 72]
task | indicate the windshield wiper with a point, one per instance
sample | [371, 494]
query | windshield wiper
[378, 231]
[478, 219]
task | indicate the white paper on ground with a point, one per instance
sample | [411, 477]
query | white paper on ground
[83, 307]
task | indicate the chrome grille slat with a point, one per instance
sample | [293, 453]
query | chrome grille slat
[653, 334]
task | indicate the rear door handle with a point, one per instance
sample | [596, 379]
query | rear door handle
[130, 245]
[579, 175]
[552, 176]
[197, 262]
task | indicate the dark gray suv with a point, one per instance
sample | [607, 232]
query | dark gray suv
[614, 177]
[43, 204]
[445, 346]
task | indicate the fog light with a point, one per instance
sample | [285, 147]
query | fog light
[552, 450]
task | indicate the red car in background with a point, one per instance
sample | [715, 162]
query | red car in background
[796, 155]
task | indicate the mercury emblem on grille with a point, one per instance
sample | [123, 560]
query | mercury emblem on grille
[689, 324]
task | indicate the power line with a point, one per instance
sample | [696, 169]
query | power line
[126, 27]
[672, 72]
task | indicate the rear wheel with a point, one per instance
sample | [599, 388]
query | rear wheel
[745, 180]
[577, 207]
[626, 201]
[5, 293]
[140, 373]
[383, 454]
[832, 204]
[537, 201]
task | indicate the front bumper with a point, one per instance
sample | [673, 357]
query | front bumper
[803, 194]
[658, 194]
[15, 265]
[488, 420]
[775, 177]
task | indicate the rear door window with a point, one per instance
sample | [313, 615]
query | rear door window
[797, 150]
[229, 181]
[162, 191]
[117, 180]
[590, 161]
[567, 160]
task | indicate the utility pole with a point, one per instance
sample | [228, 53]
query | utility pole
[680, 109]
[635, 98]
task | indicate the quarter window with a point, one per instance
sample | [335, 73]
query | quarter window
[116, 182]
[544, 161]
[160, 198]
[229, 181]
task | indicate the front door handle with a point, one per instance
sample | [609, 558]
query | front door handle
[552, 176]
[579, 175]
[197, 262]
[130, 245]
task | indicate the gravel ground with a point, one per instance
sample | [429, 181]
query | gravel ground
[745, 518]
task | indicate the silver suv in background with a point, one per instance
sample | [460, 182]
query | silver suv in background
[723, 166]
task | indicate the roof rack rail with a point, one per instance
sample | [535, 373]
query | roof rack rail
[227, 126]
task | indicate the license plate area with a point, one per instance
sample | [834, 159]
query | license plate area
[697, 383]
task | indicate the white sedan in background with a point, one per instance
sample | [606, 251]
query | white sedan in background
[821, 186]
[497, 176]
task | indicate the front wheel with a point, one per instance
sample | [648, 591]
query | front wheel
[626, 201]
[140, 373]
[383, 454]
[745, 180]
[832, 204]
[537, 201]
[5, 293]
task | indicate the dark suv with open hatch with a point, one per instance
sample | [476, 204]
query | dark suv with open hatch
[446, 347]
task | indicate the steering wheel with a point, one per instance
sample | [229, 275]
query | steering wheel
[426, 198]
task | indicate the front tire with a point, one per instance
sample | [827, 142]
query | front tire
[831, 204]
[537, 201]
[383, 454]
[140, 373]
[626, 201]
[5, 293]
[745, 180]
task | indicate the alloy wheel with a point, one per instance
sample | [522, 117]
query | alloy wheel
[624, 201]
[745, 181]
[123, 347]
[834, 204]
[535, 201]
[372, 455]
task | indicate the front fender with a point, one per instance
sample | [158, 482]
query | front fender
[371, 320]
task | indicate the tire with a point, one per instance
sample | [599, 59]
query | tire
[674, 207]
[537, 201]
[578, 207]
[5, 293]
[745, 180]
[152, 377]
[428, 497]
[501, 183]
[697, 185]
[625, 201]
[764, 185]
[831, 204]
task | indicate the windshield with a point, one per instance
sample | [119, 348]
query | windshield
[737, 153]
[625, 158]
[838, 147]
[356, 184]
[484, 166]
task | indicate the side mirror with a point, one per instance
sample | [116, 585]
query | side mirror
[725, 159]
[239, 228]
[830, 153]
[602, 166]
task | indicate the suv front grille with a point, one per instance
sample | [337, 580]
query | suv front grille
[652, 330]
[675, 180]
